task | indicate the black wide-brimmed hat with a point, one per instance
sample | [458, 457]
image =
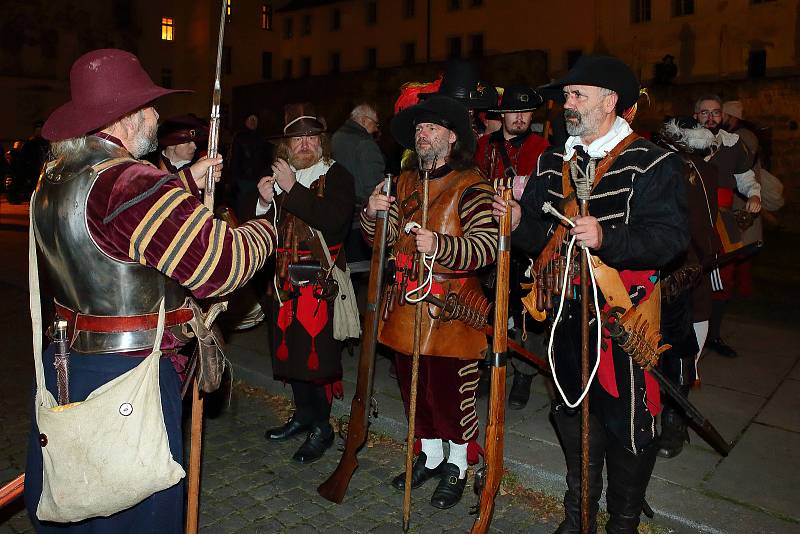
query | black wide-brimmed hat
[599, 71]
[518, 98]
[462, 82]
[437, 109]
[301, 120]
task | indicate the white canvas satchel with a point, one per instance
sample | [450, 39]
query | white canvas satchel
[108, 452]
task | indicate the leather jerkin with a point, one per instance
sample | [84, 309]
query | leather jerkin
[447, 339]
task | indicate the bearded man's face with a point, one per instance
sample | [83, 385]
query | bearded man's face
[433, 143]
[145, 132]
[517, 123]
[584, 110]
[304, 151]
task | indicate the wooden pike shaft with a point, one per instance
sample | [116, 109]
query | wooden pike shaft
[584, 205]
[412, 401]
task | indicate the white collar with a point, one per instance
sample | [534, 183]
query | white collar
[176, 164]
[309, 175]
[601, 146]
[726, 138]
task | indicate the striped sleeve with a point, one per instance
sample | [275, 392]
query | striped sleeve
[151, 218]
[477, 247]
[368, 226]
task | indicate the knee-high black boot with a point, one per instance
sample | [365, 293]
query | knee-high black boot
[569, 429]
[628, 476]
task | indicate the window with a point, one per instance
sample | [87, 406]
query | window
[372, 58]
[454, 47]
[336, 19]
[372, 12]
[227, 10]
[336, 62]
[266, 65]
[287, 69]
[760, 1]
[306, 25]
[476, 3]
[166, 78]
[681, 8]
[640, 11]
[409, 8]
[409, 53]
[476, 45]
[452, 5]
[227, 62]
[167, 29]
[572, 57]
[266, 17]
[757, 63]
[305, 66]
[288, 28]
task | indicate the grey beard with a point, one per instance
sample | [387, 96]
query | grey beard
[144, 144]
[587, 124]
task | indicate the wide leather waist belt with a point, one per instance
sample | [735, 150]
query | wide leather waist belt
[115, 324]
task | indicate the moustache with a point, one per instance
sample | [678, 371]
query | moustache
[571, 114]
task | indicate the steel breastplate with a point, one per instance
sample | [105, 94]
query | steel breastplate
[84, 278]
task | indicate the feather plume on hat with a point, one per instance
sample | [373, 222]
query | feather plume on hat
[410, 91]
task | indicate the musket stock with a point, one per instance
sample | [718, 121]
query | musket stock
[495, 425]
[335, 487]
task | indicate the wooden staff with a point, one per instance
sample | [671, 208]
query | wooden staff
[193, 496]
[495, 424]
[583, 186]
[412, 401]
[12, 491]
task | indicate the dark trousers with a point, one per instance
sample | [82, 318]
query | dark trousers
[311, 403]
[160, 513]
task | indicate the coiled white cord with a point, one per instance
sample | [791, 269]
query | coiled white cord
[428, 260]
[548, 208]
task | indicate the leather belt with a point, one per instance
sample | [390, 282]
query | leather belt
[115, 324]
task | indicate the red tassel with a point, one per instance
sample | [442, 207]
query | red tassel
[417, 446]
[283, 352]
[474, 452]
[313, 358]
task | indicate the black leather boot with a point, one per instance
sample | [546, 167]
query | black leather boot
[673, 433]
[628, 476]
[318, 441]
[419, 473]
[520, 391]
[450, 488]
[292, 427]
[569, 429]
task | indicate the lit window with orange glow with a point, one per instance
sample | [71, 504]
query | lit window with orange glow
[167, 29]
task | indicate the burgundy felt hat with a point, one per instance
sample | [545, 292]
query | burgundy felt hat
[105, 85]
[182, 129]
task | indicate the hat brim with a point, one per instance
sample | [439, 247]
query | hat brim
[555, 90]
[403, 124]
[513, 110]
[73, 120]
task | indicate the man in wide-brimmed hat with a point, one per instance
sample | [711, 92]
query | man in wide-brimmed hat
[460, 237]
[311, 196]
[511, 154]
[179, 138]
[119, 237]
[637, 224]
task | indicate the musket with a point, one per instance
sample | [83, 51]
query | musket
[195, 450]
[412, 401]
[687, 276]
[335, 487]
[495, 424]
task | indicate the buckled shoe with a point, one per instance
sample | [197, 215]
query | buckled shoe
[419, 473]
[450, 488]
